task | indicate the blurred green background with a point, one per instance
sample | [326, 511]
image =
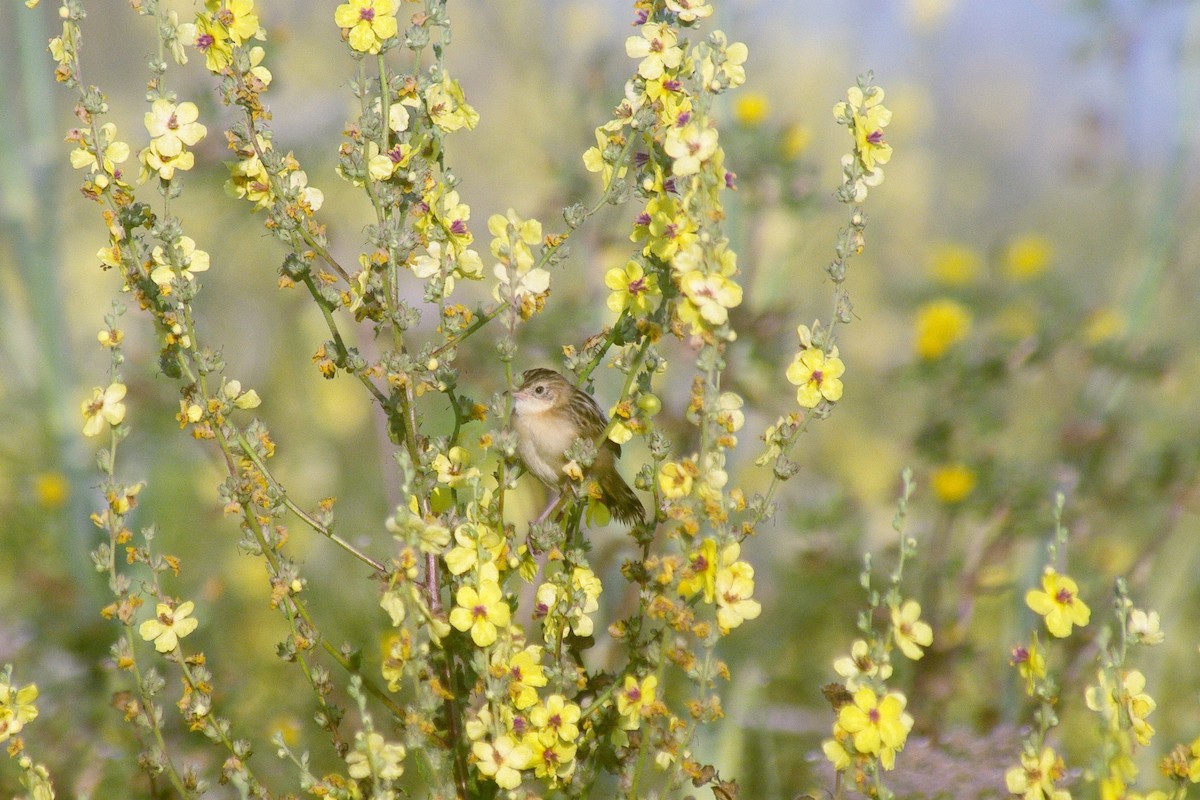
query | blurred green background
[1044, 180]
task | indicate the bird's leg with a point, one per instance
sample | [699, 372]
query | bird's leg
[553, 504]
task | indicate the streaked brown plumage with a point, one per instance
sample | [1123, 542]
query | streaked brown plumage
[549, 413]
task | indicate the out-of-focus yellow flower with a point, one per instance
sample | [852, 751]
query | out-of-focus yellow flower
[370, 23]
[708, 299]
[105, 406]
[954, 264]
[50, 489]
[1026, 257]
[751, 109]
[940, 325]
[1058, 601]
[795, 141]
[1035, 779]
[817, 376]
[909, 630]
[1104, 325]
[1126, 702]
[169, 625]
[952, 483]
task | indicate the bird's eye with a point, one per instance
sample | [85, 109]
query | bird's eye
[540, 390]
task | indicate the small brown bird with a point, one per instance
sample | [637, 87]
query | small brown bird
[549, 413]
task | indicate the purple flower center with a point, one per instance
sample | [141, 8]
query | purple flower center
[642, 219]
[204, 41]
[634, 694]
[730, 179]
[637, 287]
[366, 14]
[876, 136]
[458, 227]
[672, 85]
[1064, 597]
[817, 377]
[683, 118]
[479, 612]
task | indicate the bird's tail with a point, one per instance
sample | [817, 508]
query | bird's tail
[621, 501]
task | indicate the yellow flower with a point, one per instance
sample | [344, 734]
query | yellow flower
[552, 760]
[1035, 778]
[154, 162]
[940, 325]
[169, 625]
[557, 718]
[1030, 663]
[448, 107]
[690, 146]
[113, 152]
[502, 760]
[1129, 701]
[213, 39]
[584, 582]
[954, 264]
[188, 259]
[952, 483]
[701, 574]
[373, 755]
[525, 674]
[16, 707]
[472, 540]
[239, 19]
[632, 289]
[675, 479]
[866, 117]
[690, 10]
[481, 611]
[658, 49]
[173, 127]
[909, 631]
[751, 109]
[859, 665]
[878, 727]
[1058, 601]
[453, 468]
[633, 698]
[817, 375]
[1145, 627]
[734, 587]
[708, 299]
[105, 406]
[1026, 257]
[370, 22]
